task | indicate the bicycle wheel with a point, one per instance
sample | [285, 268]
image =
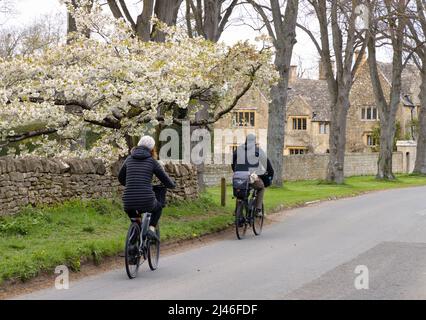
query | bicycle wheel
[240, 220]
[154, 251]
[132, 255]
[258, 222]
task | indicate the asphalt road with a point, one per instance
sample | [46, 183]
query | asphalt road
[310, 253]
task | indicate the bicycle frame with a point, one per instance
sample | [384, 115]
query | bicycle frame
[147, 249]
[146, 218]
[249, 200]
[144, 225]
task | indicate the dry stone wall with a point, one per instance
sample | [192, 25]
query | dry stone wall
[312, 167]
[33, 181]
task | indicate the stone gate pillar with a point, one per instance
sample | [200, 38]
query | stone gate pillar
[408, 149]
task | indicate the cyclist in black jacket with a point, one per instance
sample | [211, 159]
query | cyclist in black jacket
[249, 157]
[136, 175]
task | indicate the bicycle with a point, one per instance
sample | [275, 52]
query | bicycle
[245, 215]
[140, 246]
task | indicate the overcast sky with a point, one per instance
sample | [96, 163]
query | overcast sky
[304, 51]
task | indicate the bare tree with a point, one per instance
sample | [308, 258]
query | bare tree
[165, 10]
[42, 33]
[207, 18]
[7, 8]
[387, 19]
[417, 47]
[210, 17]
[9, 42]
[281, 28]
[339, 39]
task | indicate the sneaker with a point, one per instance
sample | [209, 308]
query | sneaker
[152, 235]
[258, 212]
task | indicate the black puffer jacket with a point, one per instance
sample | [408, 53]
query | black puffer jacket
[136, 175]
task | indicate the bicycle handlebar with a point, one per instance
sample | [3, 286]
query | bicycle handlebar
[159, 186]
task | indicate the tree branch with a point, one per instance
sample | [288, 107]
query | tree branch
[29, 134]
[225, 18]
[127, 14]
[115, 9]
[263, 15]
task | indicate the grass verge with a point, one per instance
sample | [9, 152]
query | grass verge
[38, 239]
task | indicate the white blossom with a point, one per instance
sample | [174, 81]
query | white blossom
[119, 80]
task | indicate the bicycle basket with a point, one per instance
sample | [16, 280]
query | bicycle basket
[240, 184]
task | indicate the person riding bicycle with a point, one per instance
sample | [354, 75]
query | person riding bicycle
[136, 175]
[250, 158]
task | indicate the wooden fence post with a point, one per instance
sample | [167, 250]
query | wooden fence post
[223, 192]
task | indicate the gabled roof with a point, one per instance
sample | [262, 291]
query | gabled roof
[315, 93]
[243, 103]
[409, 79]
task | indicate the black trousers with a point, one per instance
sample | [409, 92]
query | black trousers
[156, 211]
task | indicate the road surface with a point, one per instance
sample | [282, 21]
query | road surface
[309, 253]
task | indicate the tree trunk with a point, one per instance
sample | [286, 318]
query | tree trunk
[167, 12]
[284, 42]
[211, 19]
[199, 116]
[143, 22]
[335, 169]
[395, 15]
[388, 124]
[387, 133]
[210, 31]
[71, 24]
[130, 143]
[277, 116]
[420, 166]
[276, 127]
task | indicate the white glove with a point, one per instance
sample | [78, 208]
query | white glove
[253, 177]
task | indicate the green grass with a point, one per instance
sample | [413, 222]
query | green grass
[297, 193]
[38, 239]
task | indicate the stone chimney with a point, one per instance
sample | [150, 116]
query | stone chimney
[292, 74]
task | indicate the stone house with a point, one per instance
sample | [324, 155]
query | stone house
[250, 115]
[363, 116]
[308, 117]
[309, 103]
[308, 112]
